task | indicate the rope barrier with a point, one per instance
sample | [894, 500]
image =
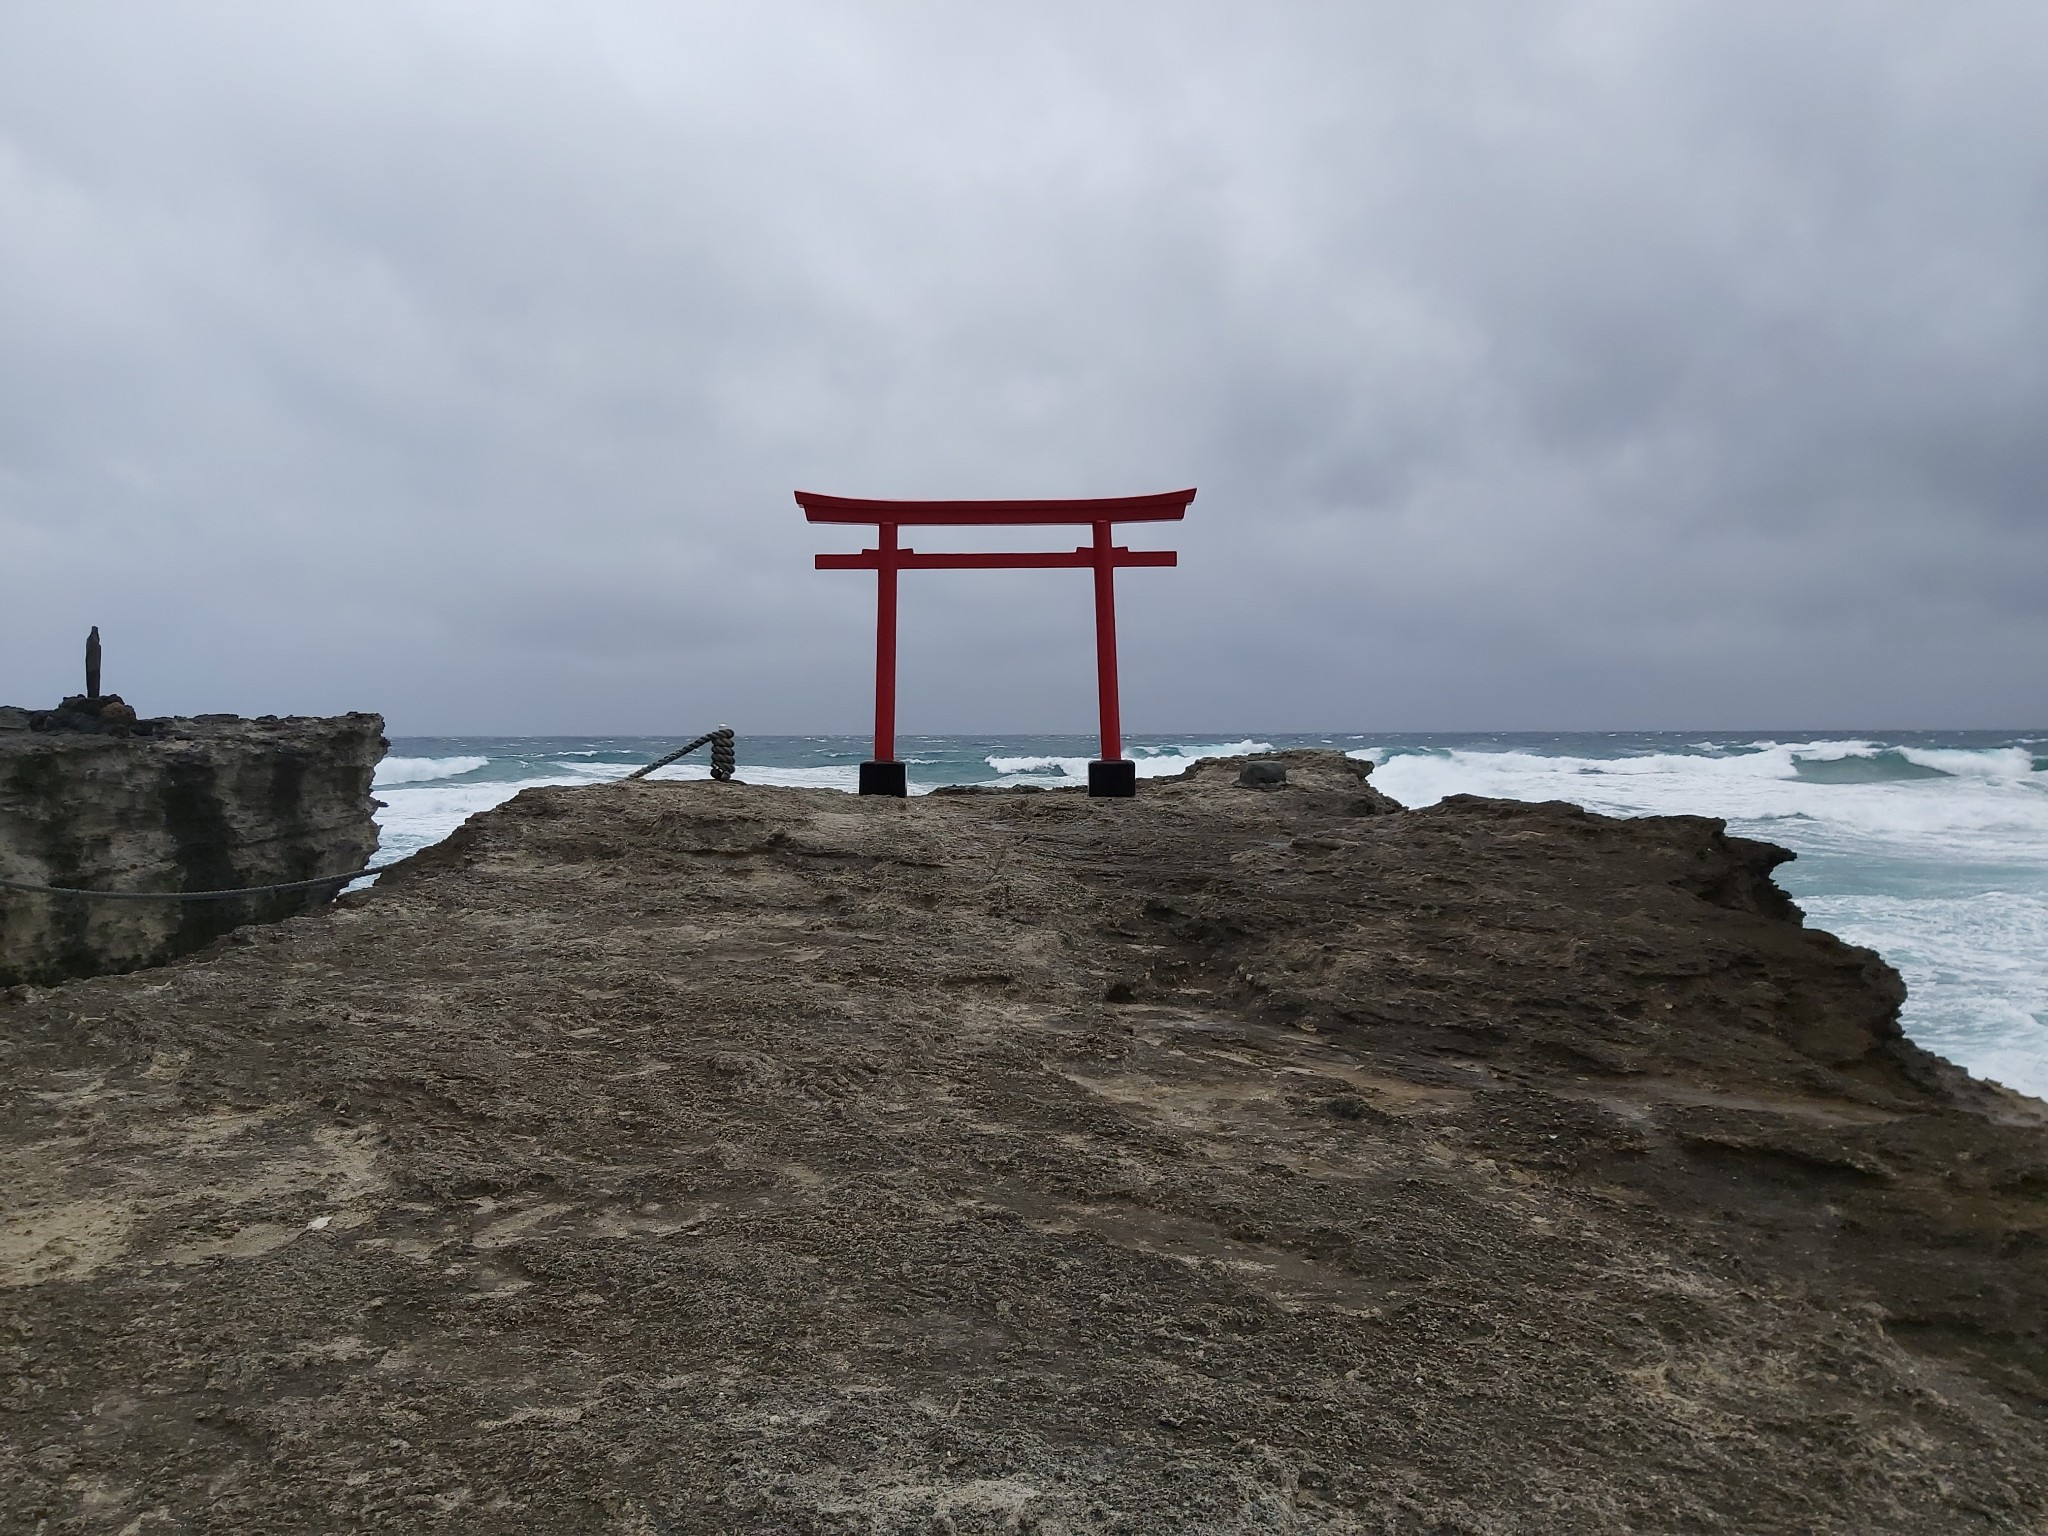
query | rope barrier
[721, 755]
[247, 890]
[722, 763]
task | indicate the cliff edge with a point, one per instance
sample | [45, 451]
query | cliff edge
[704, 1157]
[210, 802]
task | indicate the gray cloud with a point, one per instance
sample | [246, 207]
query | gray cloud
[1570, 365]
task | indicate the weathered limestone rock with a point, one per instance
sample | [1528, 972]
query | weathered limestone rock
[206, 803]
[1262, 774]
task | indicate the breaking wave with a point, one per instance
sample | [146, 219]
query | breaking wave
[415, 770]
[1969, 803]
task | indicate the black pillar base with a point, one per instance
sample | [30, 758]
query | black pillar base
[884, 778]
[1112, 780]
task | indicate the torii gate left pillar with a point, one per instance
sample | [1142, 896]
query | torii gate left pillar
[1111, 775]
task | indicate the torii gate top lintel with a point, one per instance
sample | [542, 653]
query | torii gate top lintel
[1165, 507]
[1112, 775]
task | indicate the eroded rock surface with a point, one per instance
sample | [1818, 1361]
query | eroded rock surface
[698, 1157]
[208, 803]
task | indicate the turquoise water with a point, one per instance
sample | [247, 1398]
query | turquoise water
[1931, 848]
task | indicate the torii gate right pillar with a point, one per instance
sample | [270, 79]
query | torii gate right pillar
[1111, 776]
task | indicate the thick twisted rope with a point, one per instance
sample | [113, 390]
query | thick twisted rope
[721, 755]
[722, 763]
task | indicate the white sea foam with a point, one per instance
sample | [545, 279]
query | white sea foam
[1152, 762]
[1976, 970]
[415, 770]
[583, 773]
[1991, 801]
[826, 776]
[416, 816]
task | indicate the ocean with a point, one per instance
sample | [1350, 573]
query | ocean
[1929, 847]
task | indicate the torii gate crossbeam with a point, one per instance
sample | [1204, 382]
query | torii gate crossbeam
[1112, 775]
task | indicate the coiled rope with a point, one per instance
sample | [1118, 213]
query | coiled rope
[721, 755]
[722, 763]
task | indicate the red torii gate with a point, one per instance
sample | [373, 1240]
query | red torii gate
[1112, 775]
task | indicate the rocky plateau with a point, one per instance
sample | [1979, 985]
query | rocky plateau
[1245, 1157]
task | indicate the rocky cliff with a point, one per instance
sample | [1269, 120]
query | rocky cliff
[195, 804]
[1247, 1157]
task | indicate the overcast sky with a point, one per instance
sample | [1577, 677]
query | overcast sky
[1564, 366]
